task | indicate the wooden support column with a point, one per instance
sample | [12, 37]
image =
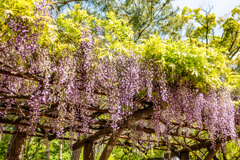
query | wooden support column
[212, 152]
[47, 150]
[88, 153]
[60, 151]
[184, 156]
[76, 154]
[111, 144]
[16, 146]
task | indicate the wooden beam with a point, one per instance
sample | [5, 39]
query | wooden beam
[136, 116]
[111, 144]
[212, 152]
[76, 154]
[88, 153]
[192, 147]
[184, 156]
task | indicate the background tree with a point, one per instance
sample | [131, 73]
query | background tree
[144, 16]
[207, 22]
[230, 38]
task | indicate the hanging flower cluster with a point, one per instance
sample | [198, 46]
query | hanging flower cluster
[86, 66]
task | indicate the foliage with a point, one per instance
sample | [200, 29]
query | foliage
[77, 61]
[145, 17]
[230, 38]
[186, 62]
[30, 148]
[4, 143]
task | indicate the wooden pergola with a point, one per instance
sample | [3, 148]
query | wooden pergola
[100, 133]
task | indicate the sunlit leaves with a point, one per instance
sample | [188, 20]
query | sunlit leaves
[78, 56]
[188, 62]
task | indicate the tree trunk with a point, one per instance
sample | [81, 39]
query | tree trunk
[185, 156]
[16, 146]
[88, 153]
[60, 152]
[212, 152]
[47, 150]
[110, 145]
[76, 154]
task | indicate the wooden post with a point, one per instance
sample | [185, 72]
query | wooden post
[60, 152]
[111, 144]
[76, 154]
[47, 150]
[184, 156]
[88, 153]
[16, 146]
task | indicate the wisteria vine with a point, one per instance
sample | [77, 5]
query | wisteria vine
[38, 78]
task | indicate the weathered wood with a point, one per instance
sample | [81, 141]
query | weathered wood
[111, 144]
[16, 146]
[199, 146]
[7, 121]
[192, 147]
[132, 119]
[136, 116]
[19, 75]
[47, 150]
[88, 152]
[76, 154]
[60, 151]
[184, 156]
[213, 151]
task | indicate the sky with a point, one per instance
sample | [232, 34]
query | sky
[221, 7]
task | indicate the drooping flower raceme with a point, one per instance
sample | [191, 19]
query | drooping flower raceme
[65, 76]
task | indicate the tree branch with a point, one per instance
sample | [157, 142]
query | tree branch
[152, 19]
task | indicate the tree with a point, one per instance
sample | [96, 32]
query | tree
[207, 22]
[145, 17]
[230, 36]
[81, 74]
